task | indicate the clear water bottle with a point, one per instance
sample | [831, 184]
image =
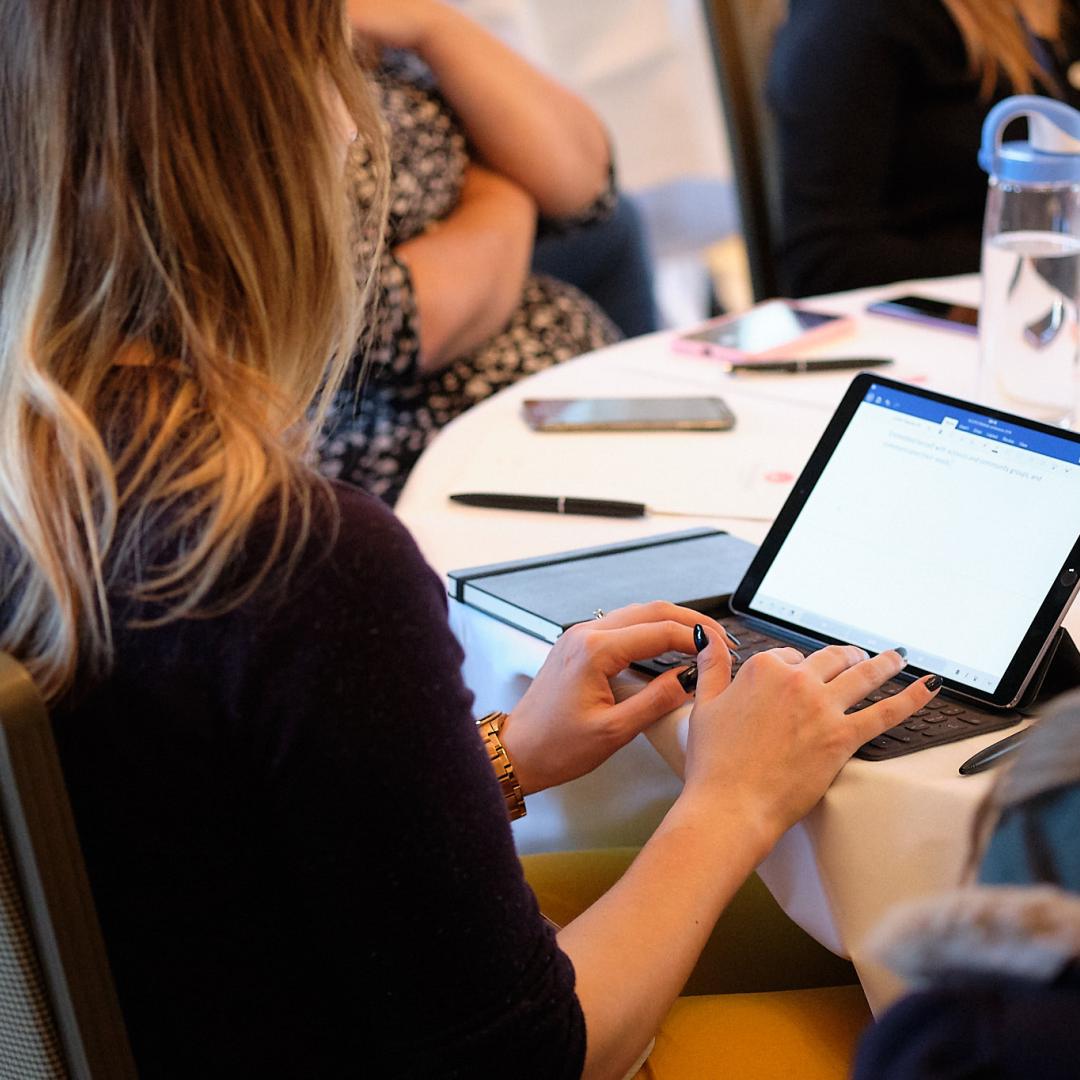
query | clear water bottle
[1028, 320]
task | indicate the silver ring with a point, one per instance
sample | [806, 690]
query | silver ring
[598, 613]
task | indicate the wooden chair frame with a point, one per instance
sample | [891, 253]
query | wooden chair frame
[740, 76]
[59, 907]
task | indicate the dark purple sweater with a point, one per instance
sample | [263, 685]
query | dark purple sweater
[298, 850]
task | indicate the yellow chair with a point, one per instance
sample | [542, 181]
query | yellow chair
[765, 1002]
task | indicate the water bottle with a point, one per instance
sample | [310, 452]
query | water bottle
[1028, 322]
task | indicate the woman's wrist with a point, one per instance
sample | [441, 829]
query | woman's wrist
[435, 31]
[727, 813]
[518, 757]
[490, 728]
[414, 25]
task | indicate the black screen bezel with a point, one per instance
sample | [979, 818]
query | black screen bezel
[1059, 594]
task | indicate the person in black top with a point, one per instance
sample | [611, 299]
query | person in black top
[298, 848]
[878, 106]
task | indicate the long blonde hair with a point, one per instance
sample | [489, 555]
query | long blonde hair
[997, 40]
[176, 273]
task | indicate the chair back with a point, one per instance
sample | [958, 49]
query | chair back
[741, 38]
[59, 1015]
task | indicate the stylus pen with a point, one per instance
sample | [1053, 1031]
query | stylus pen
[810, 363]
[568, 504]
[992, 754]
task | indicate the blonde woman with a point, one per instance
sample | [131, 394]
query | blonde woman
[299, 850]
[878, 107]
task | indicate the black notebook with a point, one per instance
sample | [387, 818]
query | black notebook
[698, 568]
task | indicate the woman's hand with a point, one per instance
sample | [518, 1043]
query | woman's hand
[768, 746]
[520, 122]
[397, 24]
[568, 722]
[762, 750]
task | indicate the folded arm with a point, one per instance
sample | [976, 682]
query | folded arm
[469, 269]
[521, 123]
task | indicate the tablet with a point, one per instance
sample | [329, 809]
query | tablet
[933, 523]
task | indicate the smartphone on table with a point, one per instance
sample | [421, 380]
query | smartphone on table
[769, 330]
[628, 414]
[924, 309]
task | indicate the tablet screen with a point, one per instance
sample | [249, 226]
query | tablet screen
[926, 522]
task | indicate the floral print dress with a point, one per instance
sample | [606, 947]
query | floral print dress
[375, 432]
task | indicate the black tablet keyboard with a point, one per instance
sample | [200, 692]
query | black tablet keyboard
[944, 720]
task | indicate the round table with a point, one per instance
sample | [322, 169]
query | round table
[885, 831]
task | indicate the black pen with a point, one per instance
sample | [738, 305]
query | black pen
[796, 366]
[568, 504]
[552, 504]
[992, 754]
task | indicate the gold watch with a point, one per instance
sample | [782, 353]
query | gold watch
[489, 726]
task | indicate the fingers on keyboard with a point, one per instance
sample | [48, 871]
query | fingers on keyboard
[890, 710]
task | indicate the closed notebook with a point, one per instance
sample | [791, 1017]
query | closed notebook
[698, 568]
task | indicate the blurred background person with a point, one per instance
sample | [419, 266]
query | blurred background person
[496, 170]
[879, 107]
[995, 966]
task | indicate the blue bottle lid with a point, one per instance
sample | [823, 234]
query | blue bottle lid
[1052, 152]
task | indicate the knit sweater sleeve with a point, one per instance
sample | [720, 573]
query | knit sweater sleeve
[394, 828]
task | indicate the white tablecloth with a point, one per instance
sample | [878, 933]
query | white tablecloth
[886, 831]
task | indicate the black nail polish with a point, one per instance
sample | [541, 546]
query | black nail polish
[732, 638]
[701, 640]
[901, 650]
[933, 683]
[688, 678]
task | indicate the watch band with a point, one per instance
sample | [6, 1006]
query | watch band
[489, 726]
